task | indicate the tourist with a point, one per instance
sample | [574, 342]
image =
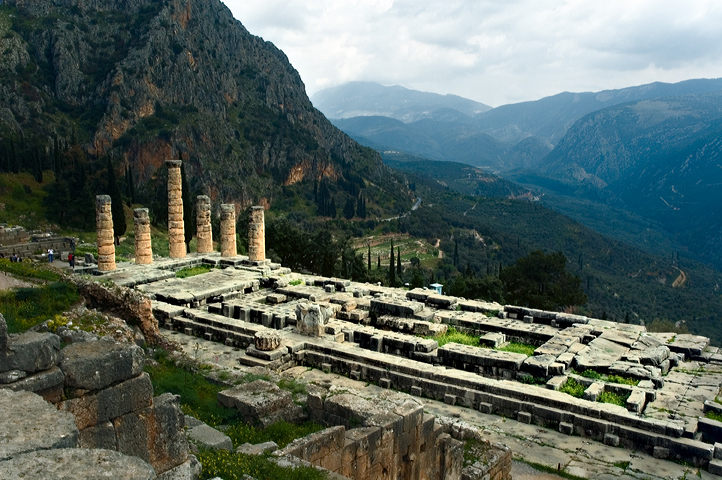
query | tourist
[50, 255]
[71, 260]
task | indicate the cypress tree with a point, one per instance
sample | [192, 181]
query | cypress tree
[378, 262]
[392, 271]
[369, 259]
[398, 261]
[188, 217]
[456, 253]
[119, 225]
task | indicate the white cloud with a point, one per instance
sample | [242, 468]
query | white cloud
[493, 51]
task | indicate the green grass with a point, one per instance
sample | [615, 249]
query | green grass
[515, 347]
[40, 271]
[713, 416]
[613, 398]
[192, 271]
[532, 380]
[280, 432]
[24, 308]
[233, 466]
[622, 465]
[293, 386]
[590, 374]
[573, 388]
[454, 336]
[293, 283]
[23, 199]
[198, 395]
[609, 378]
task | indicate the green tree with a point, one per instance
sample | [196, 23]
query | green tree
[541, 281]
[348, 209]
[398, 261]
[392, 270]
[119, 225]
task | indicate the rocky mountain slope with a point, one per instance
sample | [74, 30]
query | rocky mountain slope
[145, 81]
[355, 99]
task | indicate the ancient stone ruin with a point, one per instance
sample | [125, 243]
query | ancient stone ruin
[105, 236]
[92, 412]
[204, 233]
[256, 235]
[228, 230]
[176, 230]
[143, 248]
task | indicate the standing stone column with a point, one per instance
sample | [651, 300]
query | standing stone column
[143, 249]
[105, 237]
[176, 232]
[228, 230]
[204, 233]
[256, 235]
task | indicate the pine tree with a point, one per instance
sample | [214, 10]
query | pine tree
[119, 225]
[392, 271]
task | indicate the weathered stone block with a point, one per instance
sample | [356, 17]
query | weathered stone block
[485, 408]
[450, 399]
[524, 417]
[154, 434]
[95, 365]
[99, 436]
[256, 400]
[566, 428]
[257, 449]
[416, 391]
[209, 437]
[109, 403]
[715, 467]
[29, 423]
[40, 382]
[611, 439]
[30, 352]
[267, 340]
[593, 391]
[77, 463]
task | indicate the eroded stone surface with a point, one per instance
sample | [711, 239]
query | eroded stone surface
[105, 235]
[96, 365]
[76, 463]
[267, 340]
[176, 229]
[28, 423]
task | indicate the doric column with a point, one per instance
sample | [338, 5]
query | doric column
[256, 235]
[143, 249]
[105, 237]
[203, 222]
[176, 232]
[228, 230]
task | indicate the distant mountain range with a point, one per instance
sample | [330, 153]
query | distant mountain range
[651, 150]
[356, 99]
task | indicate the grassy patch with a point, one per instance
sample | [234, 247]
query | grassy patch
[233, 466]
[293, 386]
[515, 347]
[198, 395]
[590, 374]
[532, 380]
[573, 388]
[24, 308]
[613, 398]
[622, 465]
[192, 271]
[623, 380]
[713, 416]
[281, 432]
[452, 335]
[41, 271]
[298, 281]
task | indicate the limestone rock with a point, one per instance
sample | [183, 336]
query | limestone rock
[257, 449]
[96, 365]
[267, 341]
[261, 402]
[209, 437]
[29, 423]
[76, 463]
[31, 352]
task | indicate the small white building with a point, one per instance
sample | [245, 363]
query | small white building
[437, 287]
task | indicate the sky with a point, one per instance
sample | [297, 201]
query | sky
[492, 51]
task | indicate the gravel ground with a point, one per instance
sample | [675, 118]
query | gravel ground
[7, 282]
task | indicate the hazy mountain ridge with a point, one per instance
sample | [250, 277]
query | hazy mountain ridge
[355, 99]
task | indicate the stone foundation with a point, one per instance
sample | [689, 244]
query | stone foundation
[204, 233]
[105, 236]
[176, 230]
[143, 248]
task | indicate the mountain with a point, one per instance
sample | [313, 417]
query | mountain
[656, 158]
[357, 99]
[147, 80]
[550, 117]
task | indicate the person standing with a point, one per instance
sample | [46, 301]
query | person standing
[50, 255]
[71, 260]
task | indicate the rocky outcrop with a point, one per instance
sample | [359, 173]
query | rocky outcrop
[148, 80]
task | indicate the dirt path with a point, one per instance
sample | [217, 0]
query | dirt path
[8, 281]
[680, 281]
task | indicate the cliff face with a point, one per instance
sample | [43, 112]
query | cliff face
[148, 80]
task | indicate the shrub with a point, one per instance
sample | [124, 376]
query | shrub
[613, 398]
[573, 388]
[24, 308]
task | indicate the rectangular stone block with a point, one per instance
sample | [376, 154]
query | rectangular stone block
[99, 436]
[566, 428]
[416, 391]
[524, 417]
[95, 365]
[486, 407]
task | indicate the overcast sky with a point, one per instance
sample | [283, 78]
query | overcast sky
[492, 51]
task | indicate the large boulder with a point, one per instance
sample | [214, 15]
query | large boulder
[30, 352]
[96, 365]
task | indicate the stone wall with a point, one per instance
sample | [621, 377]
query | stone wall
[102, 384]
[384, 438]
